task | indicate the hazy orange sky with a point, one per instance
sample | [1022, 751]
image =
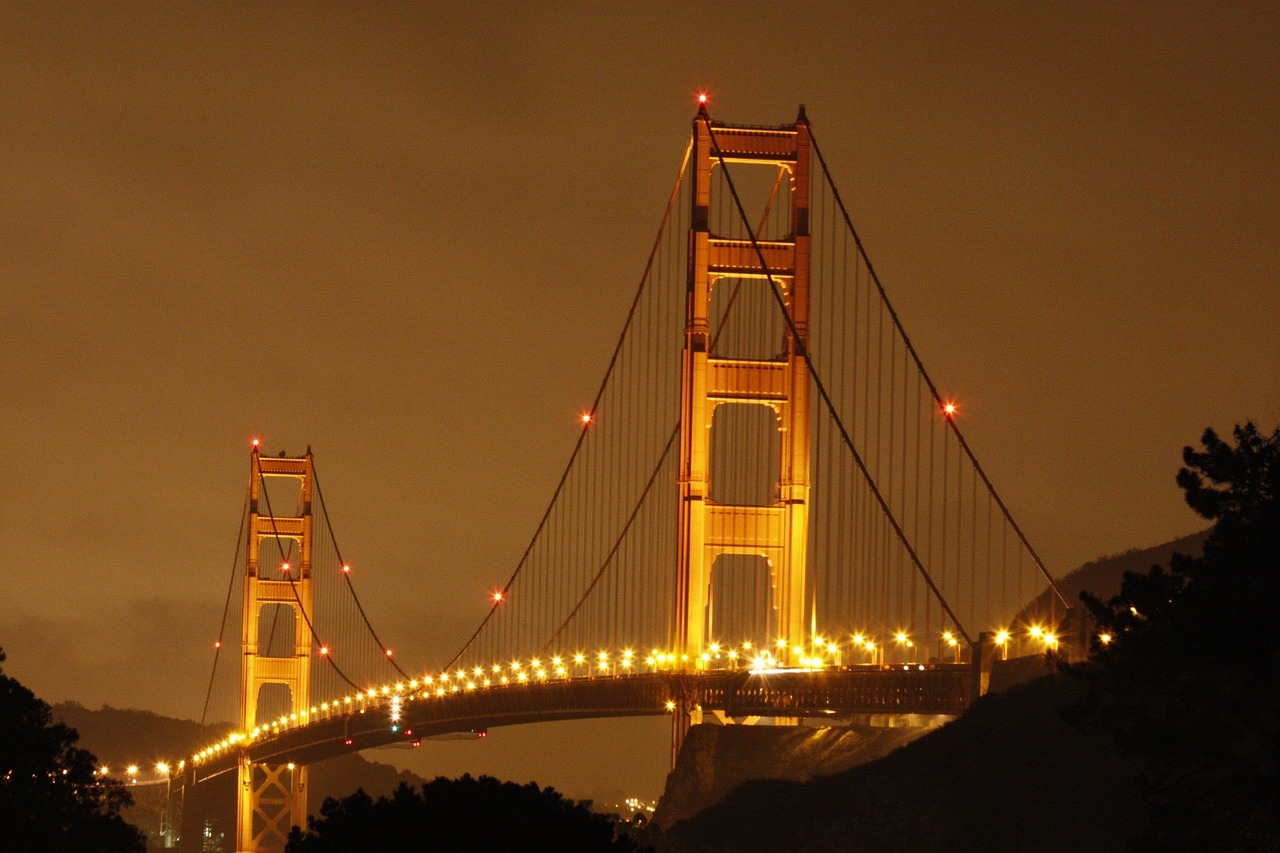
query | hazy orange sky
[407, 236]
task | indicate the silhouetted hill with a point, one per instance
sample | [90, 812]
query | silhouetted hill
[1102, 576]
[717, 759]
[1011, 774]
[118, 736]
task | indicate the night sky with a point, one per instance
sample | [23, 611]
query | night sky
[408, 235]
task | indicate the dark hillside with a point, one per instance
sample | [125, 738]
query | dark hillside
[118, 736]
[692, 788]
[717, 759]
[1011, 774]
[1102, 577]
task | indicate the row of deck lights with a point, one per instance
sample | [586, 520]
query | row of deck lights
[162, 769]
[821, 653]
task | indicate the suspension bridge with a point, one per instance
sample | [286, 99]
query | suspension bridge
[770, 514]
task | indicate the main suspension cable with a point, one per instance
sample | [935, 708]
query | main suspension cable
[293, 584]
[588, 419]
[346, 575]
[226, 609]
[803, 351]
[721, 326]
[933, 390]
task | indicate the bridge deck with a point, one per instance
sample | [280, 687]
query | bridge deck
[937, 689]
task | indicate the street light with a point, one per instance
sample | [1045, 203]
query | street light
[950, 639]
[903, 640]
[166, 816]
[1002, 640]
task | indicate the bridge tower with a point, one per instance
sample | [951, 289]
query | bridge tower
[272, 798]
[777, 531]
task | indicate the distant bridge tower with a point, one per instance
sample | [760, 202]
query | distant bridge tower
[273, 797]
[777, 531]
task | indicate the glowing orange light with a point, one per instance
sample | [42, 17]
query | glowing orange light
[949, 409]
[702, 97]
[346, 569]
[388, 652]
[324, 650]
[284, 567]
[256, 442]
[217, 644]
[497, 597]
[585, 417]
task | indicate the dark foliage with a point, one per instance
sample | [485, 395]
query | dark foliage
[461, 815]
[50, 798]
[1190, 682]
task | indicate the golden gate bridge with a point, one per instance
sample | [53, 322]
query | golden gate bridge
[770, 514]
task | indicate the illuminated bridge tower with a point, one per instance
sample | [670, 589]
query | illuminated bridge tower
[776, 531]
[272, 798]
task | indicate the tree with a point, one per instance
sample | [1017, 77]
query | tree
[1190, 680]
[462, 815]
[50, 796]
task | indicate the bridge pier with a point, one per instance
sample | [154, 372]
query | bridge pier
[681, 722]
[982, 657]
